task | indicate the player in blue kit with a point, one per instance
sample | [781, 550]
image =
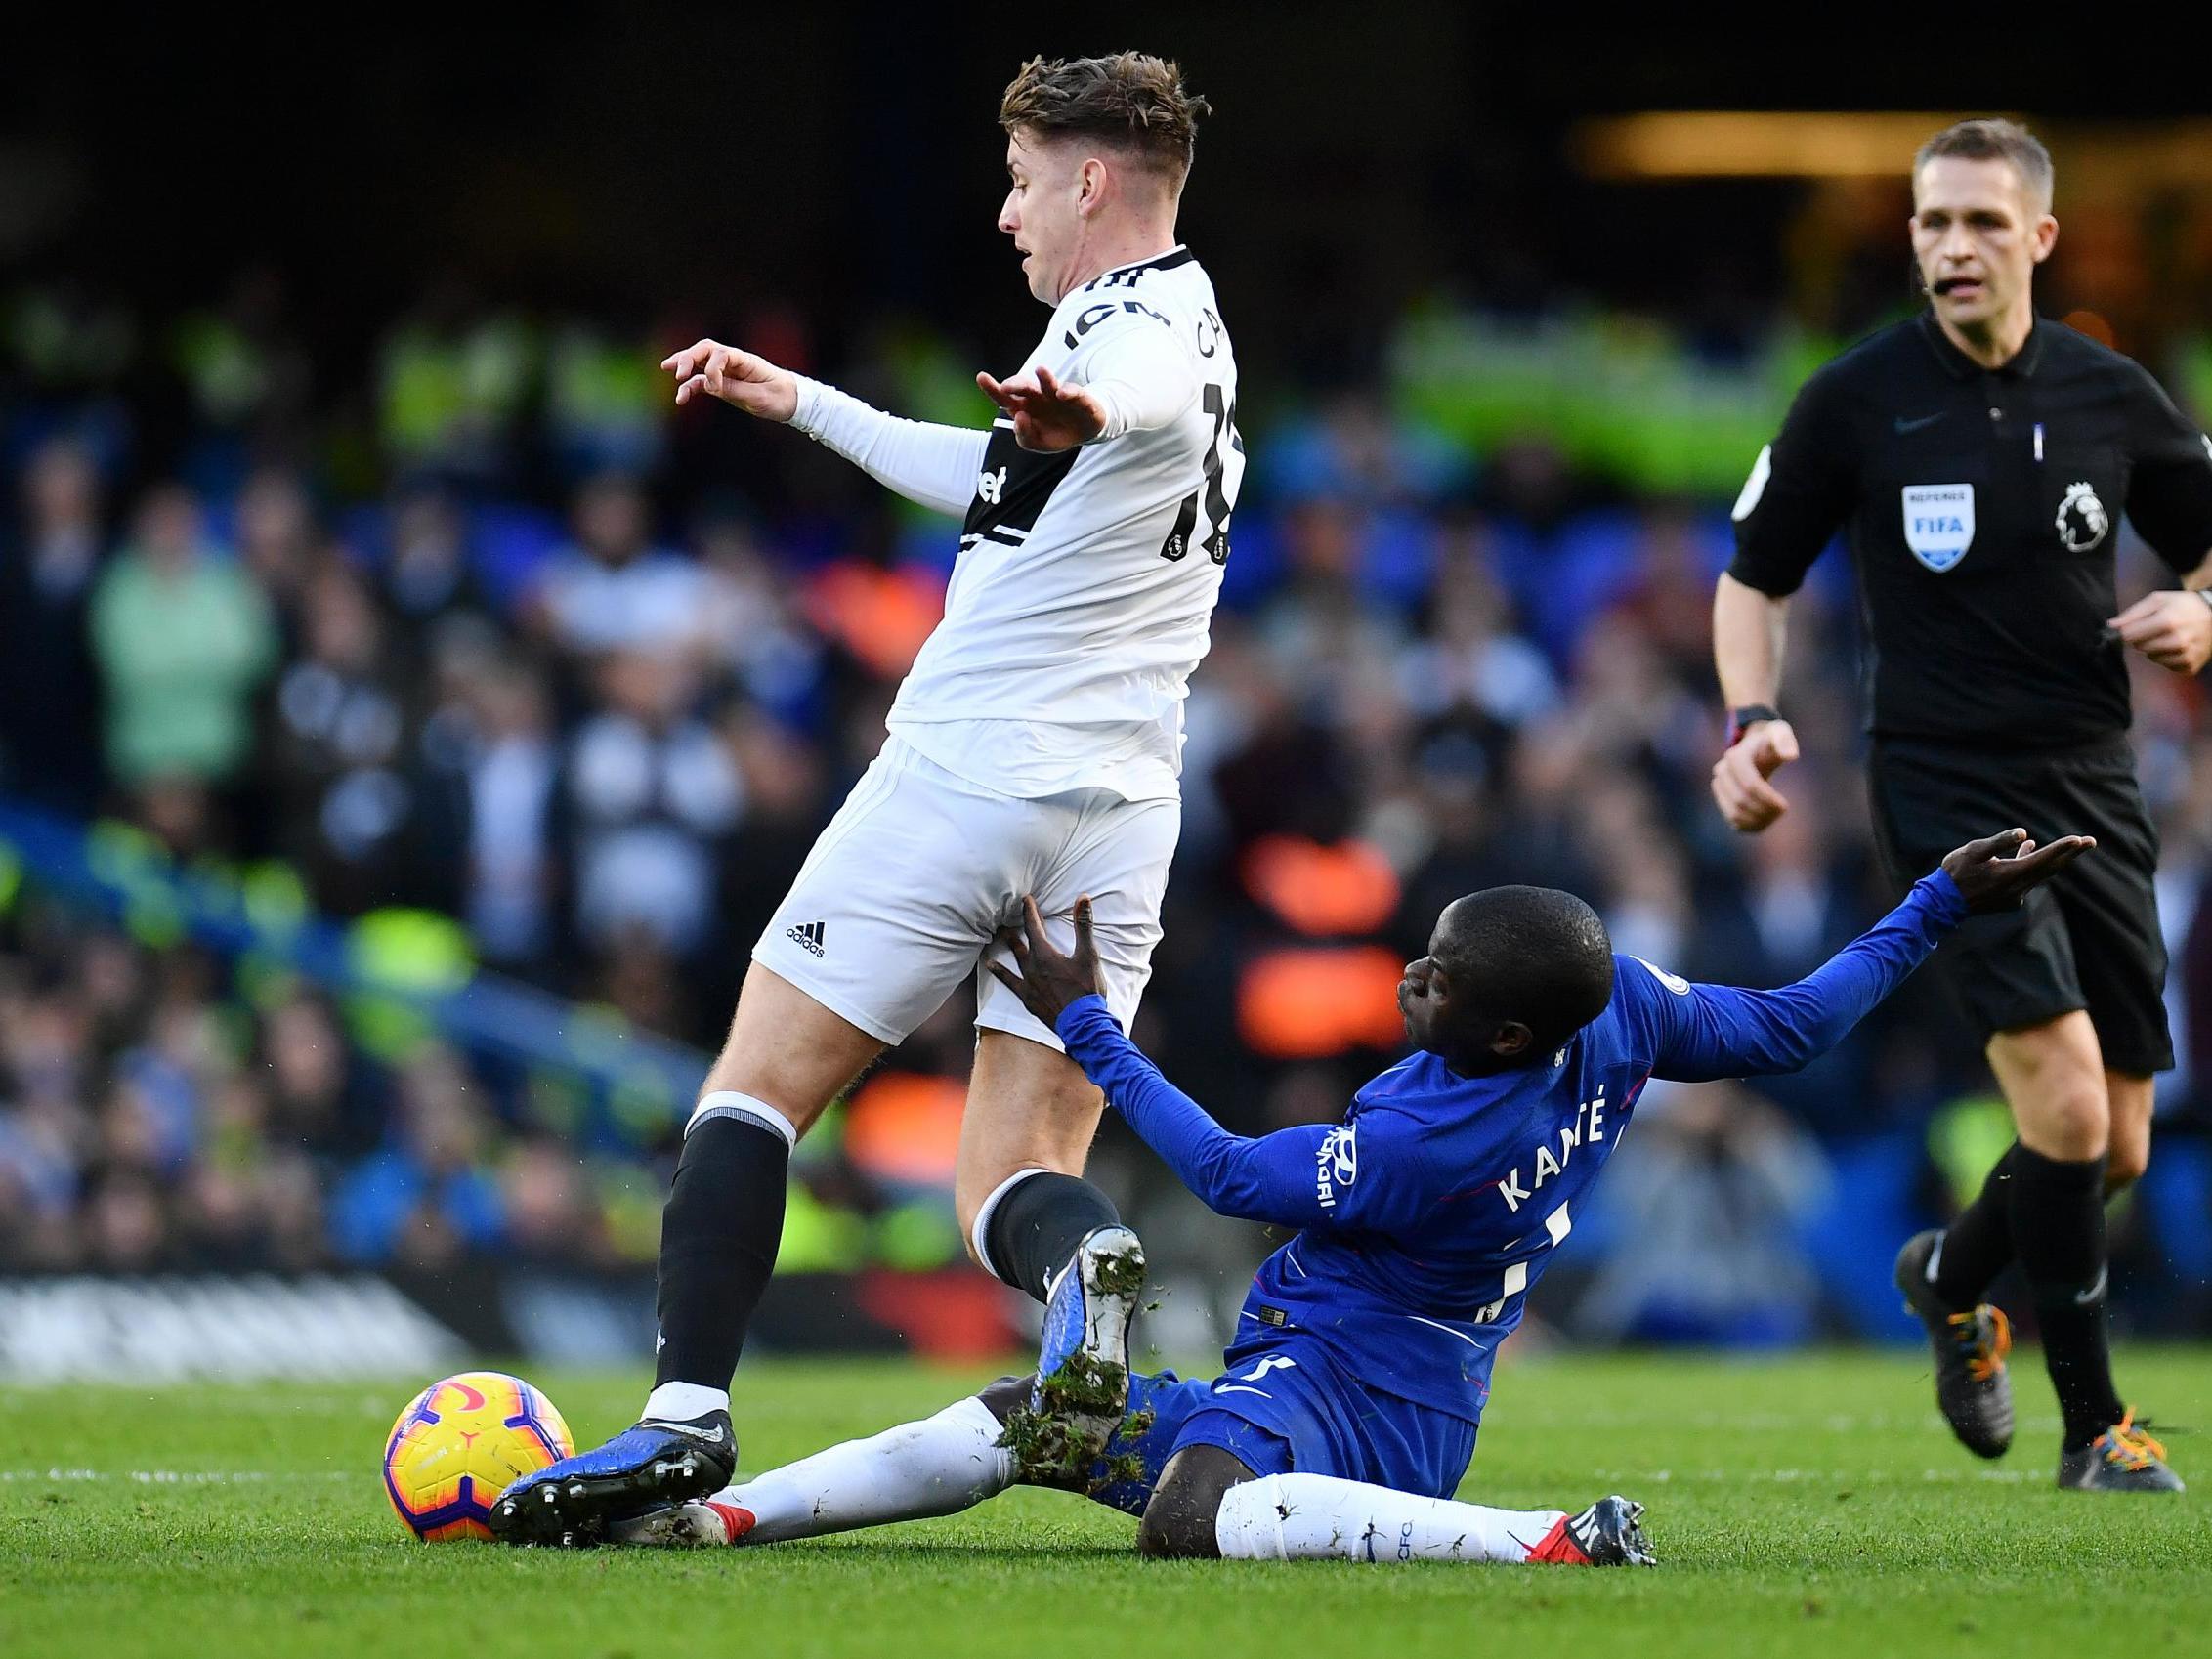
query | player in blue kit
[1347, 1412]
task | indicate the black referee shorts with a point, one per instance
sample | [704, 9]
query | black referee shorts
[2090, 938]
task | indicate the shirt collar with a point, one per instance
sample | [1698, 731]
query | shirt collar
[1959, 366]
[1179, 254]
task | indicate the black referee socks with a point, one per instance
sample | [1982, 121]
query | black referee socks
[1978, 1245]
[2059, 1234]
[1036, 1224]
[718, 1240]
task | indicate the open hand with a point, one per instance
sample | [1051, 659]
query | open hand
[2174, 629]
[1746, 799]
[1049, 981]
[739, 378]
[1996, 873]
[1049, 414]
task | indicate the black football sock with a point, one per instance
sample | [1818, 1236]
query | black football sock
[718, 1239]
[2058, 1228]
[1980, 1242]
[1035, 1226]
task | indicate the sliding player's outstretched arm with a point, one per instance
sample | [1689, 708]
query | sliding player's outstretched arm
[1702, 1032]
[933, 465]
[1282, 1179]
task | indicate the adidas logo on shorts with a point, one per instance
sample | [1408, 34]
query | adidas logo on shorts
[808, 934]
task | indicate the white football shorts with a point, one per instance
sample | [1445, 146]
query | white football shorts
[905, 893]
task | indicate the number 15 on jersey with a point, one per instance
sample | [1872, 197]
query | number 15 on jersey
[1220, 495]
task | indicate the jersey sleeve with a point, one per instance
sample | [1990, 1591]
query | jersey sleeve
[1696, 1033]
[927, 463]
[2170, 484]
[1799, 494]
[1371, 1174]
[1136, 364]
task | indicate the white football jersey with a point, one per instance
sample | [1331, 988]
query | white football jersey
[1086, 579]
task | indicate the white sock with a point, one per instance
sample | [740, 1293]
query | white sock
[937, 1467]
[1298, 1517]
[680, 1402]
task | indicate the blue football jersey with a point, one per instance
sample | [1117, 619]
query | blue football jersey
[1447, 1197]
[1431, 1211]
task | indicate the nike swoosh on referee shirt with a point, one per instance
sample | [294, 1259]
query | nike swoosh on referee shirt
[1904, 426]
[2085, 1298]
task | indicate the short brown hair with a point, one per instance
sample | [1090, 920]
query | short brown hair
[1131, 100]
[1993, 138]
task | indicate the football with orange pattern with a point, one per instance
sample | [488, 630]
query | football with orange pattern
[460, 1443]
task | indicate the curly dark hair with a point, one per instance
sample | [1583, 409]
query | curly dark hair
[1131, 100]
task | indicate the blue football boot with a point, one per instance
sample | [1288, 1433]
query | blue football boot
[572, 1501]
[1082, 1392]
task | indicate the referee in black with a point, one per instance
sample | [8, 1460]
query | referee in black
[1979, 460]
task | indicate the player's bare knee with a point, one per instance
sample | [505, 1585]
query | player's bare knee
[789, 1051]
[2128, 1156]
[2068, 1124]
[1177, 1523]
[1179, 1526]
[2053, 1079]
[1174, 1533]
[1008, 1395]
[2132, 1098]
[1028, 1107]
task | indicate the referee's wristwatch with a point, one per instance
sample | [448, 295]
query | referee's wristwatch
[1741, 721]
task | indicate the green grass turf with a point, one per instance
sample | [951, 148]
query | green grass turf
[1808, 1503]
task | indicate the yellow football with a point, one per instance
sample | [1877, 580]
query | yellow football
[460, 1443]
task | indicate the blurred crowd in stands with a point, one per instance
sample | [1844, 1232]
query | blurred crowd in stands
[495, 637]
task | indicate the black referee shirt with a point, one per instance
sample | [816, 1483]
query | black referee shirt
[1981, 508]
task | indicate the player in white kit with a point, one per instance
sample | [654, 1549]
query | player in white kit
[1035, 748]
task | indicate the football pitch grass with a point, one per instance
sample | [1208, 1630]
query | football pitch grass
[1813, 1503]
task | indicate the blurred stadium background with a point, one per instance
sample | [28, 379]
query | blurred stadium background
[407, 720]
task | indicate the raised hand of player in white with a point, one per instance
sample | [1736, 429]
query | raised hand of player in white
[1049, 414]
[1740, 786]
[739, 378]
[2173, 629]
